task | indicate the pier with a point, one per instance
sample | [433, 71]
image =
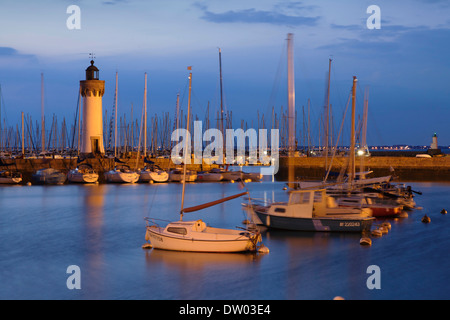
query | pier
[405, 168]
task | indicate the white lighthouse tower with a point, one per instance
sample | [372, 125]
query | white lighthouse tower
[92, 90]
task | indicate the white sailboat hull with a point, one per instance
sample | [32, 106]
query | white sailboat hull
[121, 177]
[210, 177]
[231, 175]
[159, 176]
[178, 177]
[210, 240]
[79, 177]
[11, 180]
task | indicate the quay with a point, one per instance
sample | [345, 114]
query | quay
[28, 166]
[406, 168]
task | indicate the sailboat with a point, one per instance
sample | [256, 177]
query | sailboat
[49, 176]
[210, 176]
[195, 235]
[121, 173]
[84, 173]
[312, 210]
[10, 177]
[180, 175]
[152, 173]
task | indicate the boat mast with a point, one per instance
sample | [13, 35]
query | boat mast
[291, 104]
[23, 138]
[327, 129]
[186, 156]
[352, 135]
[145, 116]
[364, 132]
[42, 115]
[115, 117]
[221, 106]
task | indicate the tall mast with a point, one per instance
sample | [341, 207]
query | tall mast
[221, 106]
[23, 137]
[352, 135]
[364, 131]
[42, 115]
[291, 106]
[115, 116]
[187, 156]
[327, 128]
[145, 116]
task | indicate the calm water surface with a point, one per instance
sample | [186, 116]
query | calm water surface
[101, 228]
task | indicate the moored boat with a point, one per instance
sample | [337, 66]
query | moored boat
[176, 175]
[121, 175]
[49, 176]
[10, 177]
[196, 236]
[82, 174]
[209, 176]
[311, 210]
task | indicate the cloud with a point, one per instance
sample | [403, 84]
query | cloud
[10, 57]
[7, 51]
[252, 15]
[113, 2]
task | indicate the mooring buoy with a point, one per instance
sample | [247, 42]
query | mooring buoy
[426, 219]
[443, 211]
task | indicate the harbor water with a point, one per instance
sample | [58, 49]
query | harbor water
[100, 229]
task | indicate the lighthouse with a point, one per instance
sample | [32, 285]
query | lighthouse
[434, 148]
[92, 90]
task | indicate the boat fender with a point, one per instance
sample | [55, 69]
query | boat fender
[377, 233]
[263, 249]
[403, 215]
[386, 225]
[365, 241]
[426, 219]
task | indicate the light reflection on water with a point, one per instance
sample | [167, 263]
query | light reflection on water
[101, 229]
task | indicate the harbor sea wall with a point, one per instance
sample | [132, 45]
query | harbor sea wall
[29, 166]
[405, 168]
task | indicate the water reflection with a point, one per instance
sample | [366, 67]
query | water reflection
[94, 201]
[196, 262]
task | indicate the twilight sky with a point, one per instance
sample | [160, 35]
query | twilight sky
[404, 64]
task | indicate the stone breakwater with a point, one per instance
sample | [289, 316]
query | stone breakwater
[405, 168]
[101, 165]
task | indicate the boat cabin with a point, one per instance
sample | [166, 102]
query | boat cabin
[303, 204]
[185, 227]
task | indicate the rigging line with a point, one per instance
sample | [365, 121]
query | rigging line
[276, 82]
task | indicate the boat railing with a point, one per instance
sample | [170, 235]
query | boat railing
[151, 222]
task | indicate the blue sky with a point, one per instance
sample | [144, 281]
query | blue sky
[404, 64]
